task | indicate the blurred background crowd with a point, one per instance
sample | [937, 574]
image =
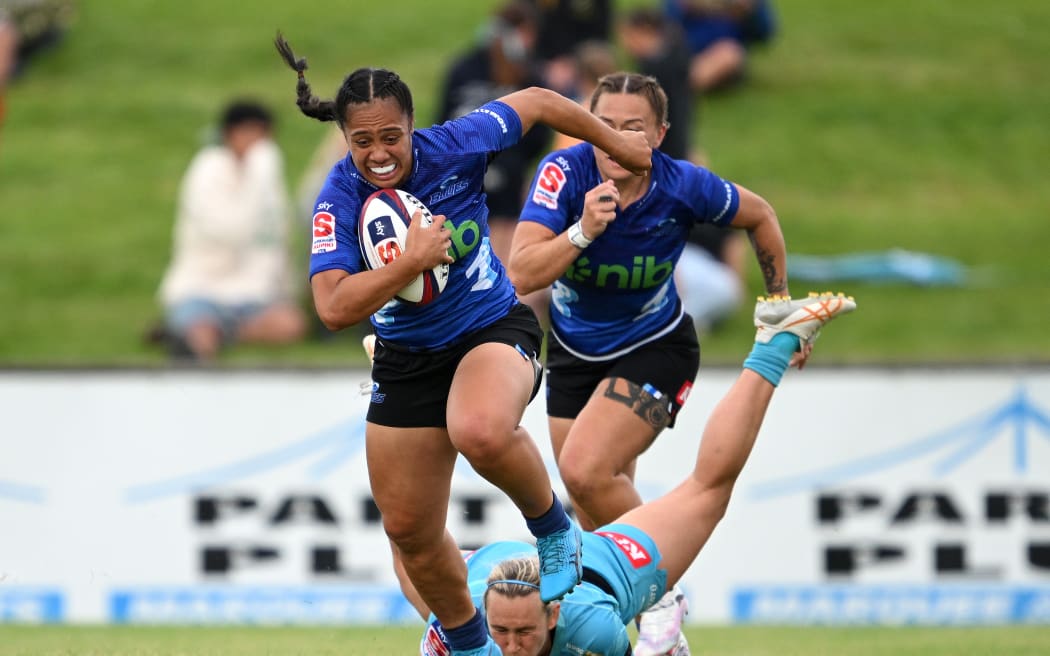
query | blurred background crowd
[230, 280]
[233, 219]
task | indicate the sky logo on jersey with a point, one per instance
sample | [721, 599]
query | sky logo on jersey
[324, 233]
[638, 556]
[549, 186]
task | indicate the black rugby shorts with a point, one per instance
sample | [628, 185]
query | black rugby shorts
[410, 388]
[667, 365]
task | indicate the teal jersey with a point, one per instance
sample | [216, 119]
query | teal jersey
[622, 579]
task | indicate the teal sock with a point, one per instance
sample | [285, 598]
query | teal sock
[771, 360]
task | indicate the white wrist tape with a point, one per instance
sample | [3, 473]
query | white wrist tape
[576, 236]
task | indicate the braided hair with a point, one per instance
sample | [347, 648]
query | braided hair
[360, 87]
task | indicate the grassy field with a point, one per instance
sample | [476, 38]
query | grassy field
[869, 126]
[752, 641]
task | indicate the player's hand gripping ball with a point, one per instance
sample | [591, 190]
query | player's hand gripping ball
[382, 228]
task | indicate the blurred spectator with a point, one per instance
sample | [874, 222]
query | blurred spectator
[503, 62]
[710, 272]
[563, 25]
[718, 33]
[8, 55]
[592, 61]
[710, 275]
[27, 28]
[657, 46]
[39, 24]
[229, 278]
[330, 150]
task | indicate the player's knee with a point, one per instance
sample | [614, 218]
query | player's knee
[583, 482]
[479, 439]
[409, 532]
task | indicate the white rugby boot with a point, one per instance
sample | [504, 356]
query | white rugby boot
[660, 627]
[369, 343]
[802, 316]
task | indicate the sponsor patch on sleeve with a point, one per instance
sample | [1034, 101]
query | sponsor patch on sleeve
[638, 556]
[549, 186]
[434, 642]
[323, 233]
[683, 392]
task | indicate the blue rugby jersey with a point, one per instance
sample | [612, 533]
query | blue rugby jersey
[449, 162]
[620, 291]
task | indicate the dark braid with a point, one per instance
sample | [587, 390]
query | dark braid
[309, 104]
[360, 87]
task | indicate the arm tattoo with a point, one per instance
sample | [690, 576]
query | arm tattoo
[652, 410]
[775, 283]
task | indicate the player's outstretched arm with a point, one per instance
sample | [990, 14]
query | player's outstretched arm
[538, 105]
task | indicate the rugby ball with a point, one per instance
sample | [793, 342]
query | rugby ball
[382, 228]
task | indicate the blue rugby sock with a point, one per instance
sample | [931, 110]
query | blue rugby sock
[552, 521]
[771, 360]
[471, 635]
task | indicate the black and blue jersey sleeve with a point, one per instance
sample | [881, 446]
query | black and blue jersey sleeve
[490, 128]
[713, 199]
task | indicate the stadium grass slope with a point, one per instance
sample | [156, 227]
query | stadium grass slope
[869, 126]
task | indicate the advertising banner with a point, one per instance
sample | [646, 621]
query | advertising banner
[872, 496]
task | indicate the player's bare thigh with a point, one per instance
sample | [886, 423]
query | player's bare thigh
[410, 472]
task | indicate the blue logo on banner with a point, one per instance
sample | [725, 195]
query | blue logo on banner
[883, 604]
[31, 605]
[21, 492]
[330, 449]
[260, 605]
[956, 602]
[1013, 419]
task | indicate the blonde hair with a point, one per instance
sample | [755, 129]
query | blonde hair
[515, 577]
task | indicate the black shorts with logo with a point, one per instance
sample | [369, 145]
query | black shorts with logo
[668, 365]
[410, 388]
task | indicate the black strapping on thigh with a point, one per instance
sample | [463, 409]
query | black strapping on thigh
[598, 581]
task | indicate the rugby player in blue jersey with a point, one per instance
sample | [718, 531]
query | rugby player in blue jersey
[454, 375]
[622, 354]
[629, 563]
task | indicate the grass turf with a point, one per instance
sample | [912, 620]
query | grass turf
[369, 641]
